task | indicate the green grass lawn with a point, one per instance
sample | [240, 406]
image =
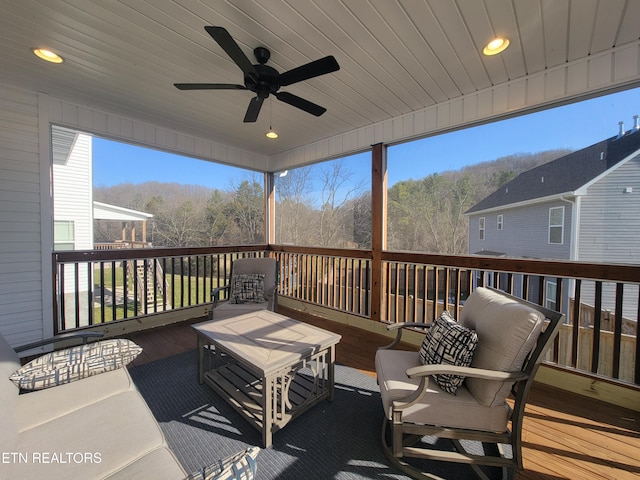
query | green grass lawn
[182, 291]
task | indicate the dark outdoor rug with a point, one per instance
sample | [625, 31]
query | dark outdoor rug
[332, 440]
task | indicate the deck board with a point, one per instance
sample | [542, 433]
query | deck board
[566, 436]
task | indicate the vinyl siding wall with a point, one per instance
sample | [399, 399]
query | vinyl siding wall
[73, 192]
[525, 232]
[21, 269]
[610, 231]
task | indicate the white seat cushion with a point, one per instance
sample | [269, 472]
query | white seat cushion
[29, 411]
[507, 331]
[160, 464]
[228, 310]
[114, 432]
[437, 407]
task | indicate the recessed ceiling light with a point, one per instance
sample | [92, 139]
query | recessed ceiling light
[496, 46]
[48, 55]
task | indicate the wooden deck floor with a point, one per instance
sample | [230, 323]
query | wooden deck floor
[566, 436]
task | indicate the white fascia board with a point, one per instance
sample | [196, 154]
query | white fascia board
[533, 201]
[123, 212]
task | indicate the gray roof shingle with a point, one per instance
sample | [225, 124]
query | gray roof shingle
[563, 175]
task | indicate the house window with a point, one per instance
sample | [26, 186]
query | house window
[556, 225]
[64, 235]
[481, 228]
[500, 222]
[550, 295]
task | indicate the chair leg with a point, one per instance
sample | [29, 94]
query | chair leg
[413, 472]
[476, 468]
[404, 467]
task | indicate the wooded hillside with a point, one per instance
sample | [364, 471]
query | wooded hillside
[424, 215]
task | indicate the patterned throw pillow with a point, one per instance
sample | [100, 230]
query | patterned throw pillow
[71, 364]
[448, 343]
[247, 288]
[241, 466]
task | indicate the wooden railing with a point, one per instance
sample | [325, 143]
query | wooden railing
[412, 287]
[94, 287]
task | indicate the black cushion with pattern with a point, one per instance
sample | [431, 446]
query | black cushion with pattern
[448, 343]
[247, 288]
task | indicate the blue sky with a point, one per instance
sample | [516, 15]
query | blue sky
[573, 126]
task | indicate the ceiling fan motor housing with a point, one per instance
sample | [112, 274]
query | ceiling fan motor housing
[266, 82]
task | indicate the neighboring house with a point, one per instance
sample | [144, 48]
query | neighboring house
[74, 212]
[584, 206]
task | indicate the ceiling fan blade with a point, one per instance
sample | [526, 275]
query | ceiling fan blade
[309, 70]
[300, 103]
[254, 109]
[209, 86]
[229, 45]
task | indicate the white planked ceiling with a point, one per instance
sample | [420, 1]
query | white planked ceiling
[396, 57]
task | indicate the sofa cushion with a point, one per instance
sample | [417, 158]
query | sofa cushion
[448, 343]
[240, 466]
[247, 288]
[29, 412]
[507, 332]
[8, 399]
[108, 435]
[71, 364]
[159, 464]
[461, 410]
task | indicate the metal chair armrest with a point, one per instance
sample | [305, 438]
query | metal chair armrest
[215, 294]
[427, 370]
[399, 328]
[85, 336]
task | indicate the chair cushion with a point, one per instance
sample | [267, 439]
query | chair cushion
[507, 332]
[241, 466]
[437, 408]
[265, 265]
[247, 288]
[71, 364]
[448, 343]
[227, 310]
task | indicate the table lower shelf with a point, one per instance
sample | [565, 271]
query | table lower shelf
[291, 393]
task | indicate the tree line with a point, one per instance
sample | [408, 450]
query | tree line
[322, 205]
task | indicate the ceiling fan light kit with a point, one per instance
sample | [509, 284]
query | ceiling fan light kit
[262, 79]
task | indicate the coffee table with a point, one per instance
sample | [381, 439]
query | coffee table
[269, 367]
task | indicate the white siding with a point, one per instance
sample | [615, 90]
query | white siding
[610, 217]
[21, 309]
[72, 192]
[610, 230]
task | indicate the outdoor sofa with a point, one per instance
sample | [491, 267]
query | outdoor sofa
[97, 427]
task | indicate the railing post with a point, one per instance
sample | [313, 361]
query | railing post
[378, 224]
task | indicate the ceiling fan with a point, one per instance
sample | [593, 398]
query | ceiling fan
[262, 79]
